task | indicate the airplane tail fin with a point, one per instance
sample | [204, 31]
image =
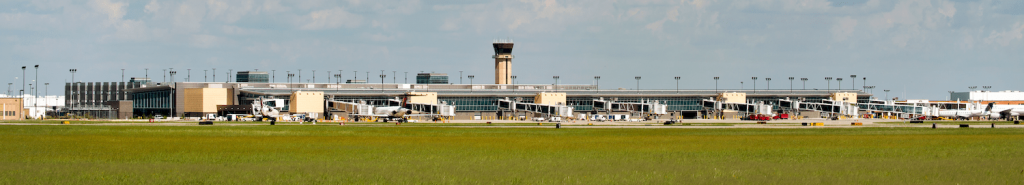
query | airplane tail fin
[989, 107]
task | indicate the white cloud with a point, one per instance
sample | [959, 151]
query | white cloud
[229, 11]
[235, 30]
[152, 7]
[113, 11]
[1004, 38]
[188, 16]
[329, 19]
[205, 41]
[843, 28]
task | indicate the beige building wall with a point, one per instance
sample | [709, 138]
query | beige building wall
[847, 97]
[549, 98]
[205, 100]
[306, 102]
[502, 69]
[735, 97]
[422, 97]
[11, 109]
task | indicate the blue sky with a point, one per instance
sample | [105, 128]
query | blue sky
[927, 47]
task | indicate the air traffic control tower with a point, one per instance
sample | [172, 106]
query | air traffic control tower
[502, 61]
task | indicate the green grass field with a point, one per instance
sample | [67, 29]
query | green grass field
[330, 154]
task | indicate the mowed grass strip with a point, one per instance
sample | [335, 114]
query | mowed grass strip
[61, 154]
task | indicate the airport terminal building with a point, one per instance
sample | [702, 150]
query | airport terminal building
[478, 101]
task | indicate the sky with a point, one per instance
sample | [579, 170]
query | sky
[918, 49]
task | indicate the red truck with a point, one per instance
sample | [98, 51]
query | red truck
[758, 117]
[781, 116]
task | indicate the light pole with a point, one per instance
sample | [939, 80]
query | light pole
[147, 74]
[205, 75]
[165, 76]
[214, 74]
[290, 76]
[9, 88]
[172, 75]
[840, 85]
[355, 76]
[340, 75]
[556, 82]
[829, 87]
[273, 76]
[864, 82]
[35, 94]
[853, 82]
[755, 83]
[228, 76]
[741, 85]
[394, 77]
[460, 77]
[805, 82]
[769, 80]
[716, 85]
[328, 76]
[470, 82]
[46, 103]
[188, 78]
[637, 84]
[23, 81]
[122, 75]
[406, 77]
[73, 86]
[382, 75]
[367, 77]
[337, 82]
[597, 83]
[513, 84]
[300, 76]
[677, 84]
[314, 76]
[791, 84]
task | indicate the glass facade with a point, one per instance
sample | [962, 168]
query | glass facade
[152, 102]
[257, 77]
[432, 78]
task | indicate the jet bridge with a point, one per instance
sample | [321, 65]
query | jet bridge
[750, 108]
[890, 108]
[827, 106]
[646, 106]
[362, 108]
[557, 110]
